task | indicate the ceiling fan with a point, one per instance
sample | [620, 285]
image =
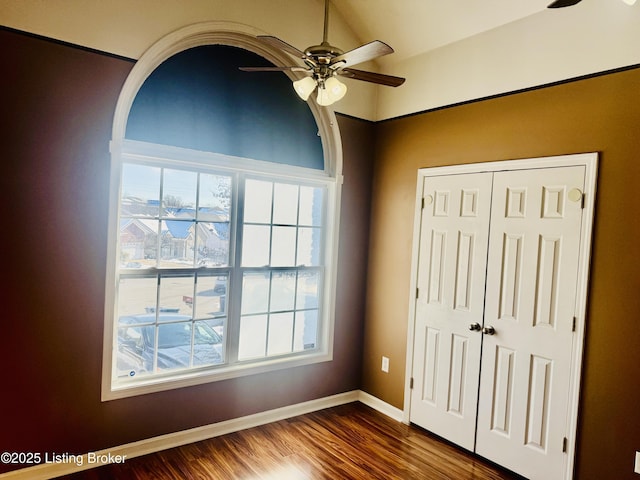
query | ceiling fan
[562, 3]
[322, 63]
[568, 3]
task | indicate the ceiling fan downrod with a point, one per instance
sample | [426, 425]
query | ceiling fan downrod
[325, 34]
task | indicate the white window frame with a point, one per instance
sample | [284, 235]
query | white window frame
[122, 150]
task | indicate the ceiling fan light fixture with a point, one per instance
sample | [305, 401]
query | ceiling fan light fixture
[331, 91]
[336, 88]
[629, 2]
[304, 87]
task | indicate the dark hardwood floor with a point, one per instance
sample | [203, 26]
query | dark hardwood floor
[352, 441]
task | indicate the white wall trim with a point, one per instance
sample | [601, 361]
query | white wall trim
[171, 440]
[381, 406]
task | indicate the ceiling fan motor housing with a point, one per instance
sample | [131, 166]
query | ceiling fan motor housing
[323, 53]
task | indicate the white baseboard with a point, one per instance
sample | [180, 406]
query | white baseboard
[379, 405]
[76, 463]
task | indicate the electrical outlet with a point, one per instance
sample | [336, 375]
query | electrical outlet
[637, 469]
[385, 364]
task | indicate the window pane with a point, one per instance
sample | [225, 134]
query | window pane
[176, 294]
[283, 247]
[311, 200]
[283, 286]
[255, 245]
[211, 296]
[257, 201]
[285, 204]
[253, 337]
[136, 350]
[308, 246]
[255, 293]
[138, 243]
[174, 345]
[179, 193]
[207, 348]
[306, 330]
[140, 190]
[214, 203]
[280, 333]
[177, 244]
[307, 291]
[213, 244]
[137, 295]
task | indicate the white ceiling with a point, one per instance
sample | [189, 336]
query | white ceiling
[413, 27]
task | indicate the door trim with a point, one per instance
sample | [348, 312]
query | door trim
[590, 162]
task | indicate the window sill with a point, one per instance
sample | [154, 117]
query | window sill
[192, 378]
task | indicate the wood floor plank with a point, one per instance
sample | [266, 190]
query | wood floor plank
[350, 442]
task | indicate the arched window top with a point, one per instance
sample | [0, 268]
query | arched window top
[200, 99]
[187, 91]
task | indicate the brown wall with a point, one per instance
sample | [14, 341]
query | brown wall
[57, 105]
[599, 114]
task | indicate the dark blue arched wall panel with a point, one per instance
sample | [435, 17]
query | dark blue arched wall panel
[199, 99]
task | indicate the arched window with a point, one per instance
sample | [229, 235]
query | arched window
[223, 222]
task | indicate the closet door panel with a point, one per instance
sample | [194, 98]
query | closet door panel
[451, 276]
[532, 269]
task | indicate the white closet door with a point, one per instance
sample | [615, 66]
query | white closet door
[450, 280]
[532, 273]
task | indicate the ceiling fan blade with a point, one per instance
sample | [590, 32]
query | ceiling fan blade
[282, 45]
[562, 3]
[379, 78]
[366, 52]
[273, 69]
